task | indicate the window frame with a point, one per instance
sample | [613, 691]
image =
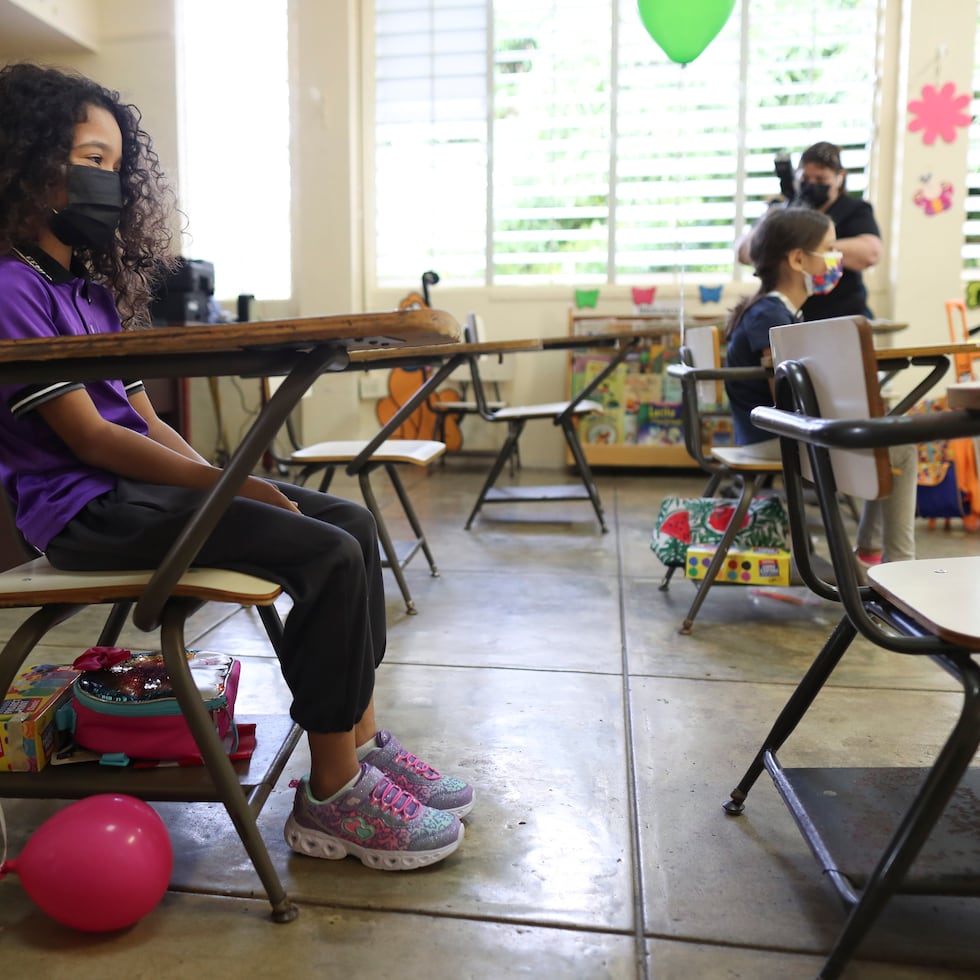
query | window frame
[740, 201]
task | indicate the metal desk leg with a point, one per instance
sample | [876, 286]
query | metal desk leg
[795, 708]
[218, 764]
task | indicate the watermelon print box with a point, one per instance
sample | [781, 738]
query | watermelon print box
[686, 521]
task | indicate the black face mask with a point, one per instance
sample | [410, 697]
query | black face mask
[814, 195]
[94, 208]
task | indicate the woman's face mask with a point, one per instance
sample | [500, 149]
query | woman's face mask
[814, 195]
[91, 217]
[824, 282]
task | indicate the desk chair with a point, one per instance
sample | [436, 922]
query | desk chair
[472, 334]
[828, 416]
[701, 376]
[30, 583]
[325, 457]
[516, 417]
[963, 364]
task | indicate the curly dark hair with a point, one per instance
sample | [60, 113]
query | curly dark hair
[39, 108]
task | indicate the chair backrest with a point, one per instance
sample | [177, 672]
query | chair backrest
[704, 351]
[699, 350]
[839, 359]
[472, 334]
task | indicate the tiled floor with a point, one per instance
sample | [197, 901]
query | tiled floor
[545, 666]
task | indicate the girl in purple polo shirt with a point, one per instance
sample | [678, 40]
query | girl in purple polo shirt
[98, 481]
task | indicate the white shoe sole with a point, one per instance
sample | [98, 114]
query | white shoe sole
[460, 811]
[316, 843]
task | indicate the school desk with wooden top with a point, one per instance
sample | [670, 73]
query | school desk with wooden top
[298, 349]
[936, 357]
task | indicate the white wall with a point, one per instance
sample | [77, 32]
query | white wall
[125, 46]
[924, 249]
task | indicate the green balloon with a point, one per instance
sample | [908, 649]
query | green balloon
[684, 28]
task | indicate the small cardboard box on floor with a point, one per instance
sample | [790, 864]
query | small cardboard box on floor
[742, 566]
[28, 732]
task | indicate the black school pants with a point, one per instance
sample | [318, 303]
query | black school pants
[326, 559]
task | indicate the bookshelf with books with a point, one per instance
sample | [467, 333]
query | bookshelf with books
[640, 421]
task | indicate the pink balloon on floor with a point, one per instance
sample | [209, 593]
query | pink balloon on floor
[97, 865]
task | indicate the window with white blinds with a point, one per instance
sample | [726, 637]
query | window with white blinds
[551, 141]
[431, 139]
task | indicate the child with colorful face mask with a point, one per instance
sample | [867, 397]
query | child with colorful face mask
[822, 184]
[99, 481]
[795, 257]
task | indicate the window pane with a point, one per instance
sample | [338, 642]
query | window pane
[603, 161]
[810, 77]
[551, 132]
[431, 140]
[237, 211]
[677, 157]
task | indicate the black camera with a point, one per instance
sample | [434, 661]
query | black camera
[185, 293]
[784, 171]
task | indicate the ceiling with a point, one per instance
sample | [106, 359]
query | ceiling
[22, 33]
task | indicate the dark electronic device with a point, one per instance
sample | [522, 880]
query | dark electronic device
[184, 296]
[784, 171]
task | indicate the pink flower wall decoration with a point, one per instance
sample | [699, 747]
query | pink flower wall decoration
[938, 113]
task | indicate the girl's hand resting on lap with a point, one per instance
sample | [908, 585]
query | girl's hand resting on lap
[257, 489]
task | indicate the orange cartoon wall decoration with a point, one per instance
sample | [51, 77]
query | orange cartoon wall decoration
[403, 383]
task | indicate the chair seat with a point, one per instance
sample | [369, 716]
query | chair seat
[736, 458]
[937, 593]
[419, 452]
[471, 408]
[546, 410]
[39, 582]
[327, 456]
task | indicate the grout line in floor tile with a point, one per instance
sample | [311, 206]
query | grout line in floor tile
[633, 812]
[759, 682]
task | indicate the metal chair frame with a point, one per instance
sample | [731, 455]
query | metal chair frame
[243, 787]
[720, 463]
[326, 457]
[811, 436]
[563, 414]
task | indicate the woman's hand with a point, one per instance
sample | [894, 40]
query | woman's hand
[268, 493]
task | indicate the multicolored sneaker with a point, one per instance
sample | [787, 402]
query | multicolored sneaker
[376, 821]
[426, 784]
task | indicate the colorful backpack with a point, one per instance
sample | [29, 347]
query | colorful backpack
[947, 482]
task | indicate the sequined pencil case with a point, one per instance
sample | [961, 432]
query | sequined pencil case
[124, 704]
